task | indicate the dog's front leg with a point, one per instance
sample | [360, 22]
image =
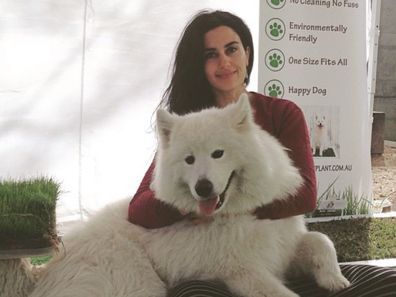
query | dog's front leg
[253, 283]
[316, 255]
[321, 150]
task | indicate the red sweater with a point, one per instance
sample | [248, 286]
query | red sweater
[282, 119]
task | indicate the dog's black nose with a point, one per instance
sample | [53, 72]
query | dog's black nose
[204, 188]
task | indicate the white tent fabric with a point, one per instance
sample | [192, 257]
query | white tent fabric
[79, 82]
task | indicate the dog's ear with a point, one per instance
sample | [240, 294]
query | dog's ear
[165, 122]
[241, 113]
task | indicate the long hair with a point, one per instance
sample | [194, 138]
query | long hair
[189, 90]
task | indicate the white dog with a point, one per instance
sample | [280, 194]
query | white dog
[320, 137]
[216, 163]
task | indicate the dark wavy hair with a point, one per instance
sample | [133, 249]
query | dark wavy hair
[189, 90]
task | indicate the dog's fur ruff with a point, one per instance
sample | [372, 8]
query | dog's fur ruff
[111, 257]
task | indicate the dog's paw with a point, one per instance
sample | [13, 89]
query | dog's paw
[333, 282]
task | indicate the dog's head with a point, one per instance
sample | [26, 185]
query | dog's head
[320, 120]
[218, 160]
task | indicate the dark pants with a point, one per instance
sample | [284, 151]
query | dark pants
[366, 281]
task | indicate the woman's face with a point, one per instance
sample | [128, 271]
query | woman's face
[226, 62]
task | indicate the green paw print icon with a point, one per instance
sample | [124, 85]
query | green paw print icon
[275, 59]
[274, 88]
[275, 29]
[276, 3]
[274, 91]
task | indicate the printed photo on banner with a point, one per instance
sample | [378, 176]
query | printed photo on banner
[323, 125]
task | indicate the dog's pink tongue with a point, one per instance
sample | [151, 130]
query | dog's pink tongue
[207, 207]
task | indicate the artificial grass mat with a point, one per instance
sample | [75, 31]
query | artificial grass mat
[360, 239]
[40, 260]
[27, 213]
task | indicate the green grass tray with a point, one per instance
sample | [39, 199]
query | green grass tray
[27, 214]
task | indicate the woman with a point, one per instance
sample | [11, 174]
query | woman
[212, 66]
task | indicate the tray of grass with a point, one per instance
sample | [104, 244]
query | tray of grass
[27, 215]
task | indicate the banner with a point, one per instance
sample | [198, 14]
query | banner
[313, 52]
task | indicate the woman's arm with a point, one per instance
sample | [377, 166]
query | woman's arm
[292, 132]
[149, 212]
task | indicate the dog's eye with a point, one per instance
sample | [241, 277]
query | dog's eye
[190, 160]
[217, 154]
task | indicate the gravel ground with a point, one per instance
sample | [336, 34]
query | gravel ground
[384, 178]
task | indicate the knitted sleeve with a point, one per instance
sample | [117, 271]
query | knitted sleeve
[291, 130]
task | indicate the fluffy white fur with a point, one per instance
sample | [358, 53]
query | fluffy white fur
[16, 277]
[111, 257]
[101, 258]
